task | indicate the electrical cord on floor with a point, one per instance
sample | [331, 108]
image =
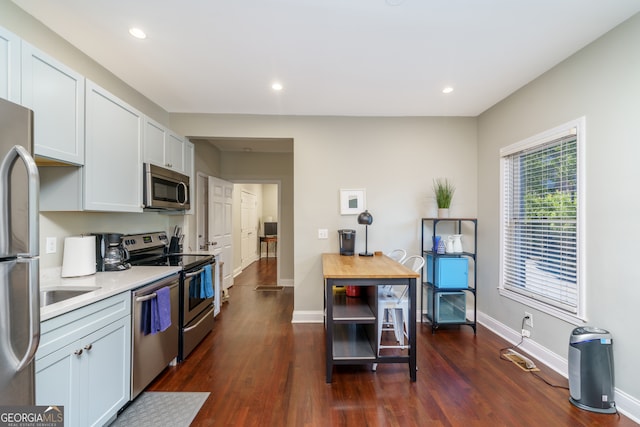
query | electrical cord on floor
[502, 350]
[535, 374]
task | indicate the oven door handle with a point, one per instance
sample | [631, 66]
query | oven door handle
[151, 295]
[199, 321]
[195, 273]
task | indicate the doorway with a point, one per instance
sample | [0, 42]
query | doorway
[255, 204]
[256, 161]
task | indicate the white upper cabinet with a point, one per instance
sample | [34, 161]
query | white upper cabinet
[174, 152]
[55, 93]
[9, 66]
[113, 167]
[163, 147]
[189, 158]
[189, 168]
[154, 137]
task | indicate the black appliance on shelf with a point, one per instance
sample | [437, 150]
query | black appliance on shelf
[110, 253]
[196, 313]
[347, 242]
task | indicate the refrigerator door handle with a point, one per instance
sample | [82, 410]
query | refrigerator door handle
[18, 151]
[34, 314]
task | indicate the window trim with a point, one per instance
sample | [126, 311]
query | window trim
[577, 127]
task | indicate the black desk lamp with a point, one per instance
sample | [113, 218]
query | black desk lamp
[366, 219]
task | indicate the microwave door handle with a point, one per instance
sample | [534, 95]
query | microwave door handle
[18, 151]
[186, 196]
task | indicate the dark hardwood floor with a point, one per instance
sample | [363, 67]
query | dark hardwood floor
[262, 370]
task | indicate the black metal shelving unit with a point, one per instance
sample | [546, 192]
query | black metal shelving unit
[435, 293]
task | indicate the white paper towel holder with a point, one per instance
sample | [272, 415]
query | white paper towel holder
[79, 257]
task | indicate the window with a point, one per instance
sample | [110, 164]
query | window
[542, 194]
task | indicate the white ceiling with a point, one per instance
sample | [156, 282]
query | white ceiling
[334, 57]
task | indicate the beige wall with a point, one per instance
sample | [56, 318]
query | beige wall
[394, 159]
[269, 202]
[602, 83]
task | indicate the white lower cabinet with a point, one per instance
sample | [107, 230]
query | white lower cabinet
[84, 362]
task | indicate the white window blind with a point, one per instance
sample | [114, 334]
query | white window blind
[540, 258]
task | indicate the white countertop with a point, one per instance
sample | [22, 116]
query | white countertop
[106, 284]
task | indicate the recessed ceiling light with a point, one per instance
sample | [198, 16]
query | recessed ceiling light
[137, 33]
[447, 89]
[276, 86]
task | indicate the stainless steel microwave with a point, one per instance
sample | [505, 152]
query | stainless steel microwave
[165, 189]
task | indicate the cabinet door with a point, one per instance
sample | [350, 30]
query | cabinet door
[189, 153]
[154, 138]
[58, 382]
[55, 93]
[113, 166]
[106, 372]
[9, 66]
[174, 152]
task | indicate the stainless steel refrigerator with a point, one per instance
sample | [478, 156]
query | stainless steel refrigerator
[19, 270]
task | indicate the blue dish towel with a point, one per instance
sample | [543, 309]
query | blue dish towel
[163, 302]
[145, 317]
[206, 284]
[156, 313]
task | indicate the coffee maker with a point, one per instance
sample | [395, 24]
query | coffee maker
[347, 242]
[110, 254]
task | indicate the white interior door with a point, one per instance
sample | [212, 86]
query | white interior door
[202, 212]
[248, 228]
[220, 225]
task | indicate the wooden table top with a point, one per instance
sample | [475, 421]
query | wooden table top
[336, 266]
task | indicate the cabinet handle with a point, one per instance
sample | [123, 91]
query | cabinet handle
[88, 347]
[78, 352]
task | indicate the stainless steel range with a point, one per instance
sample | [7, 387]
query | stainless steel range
[196, 307]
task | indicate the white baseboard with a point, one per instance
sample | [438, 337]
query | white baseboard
[286, 282]
[626, 404]
[552, 360]
[308, 316]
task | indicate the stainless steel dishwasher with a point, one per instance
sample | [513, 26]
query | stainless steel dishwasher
[151, 353]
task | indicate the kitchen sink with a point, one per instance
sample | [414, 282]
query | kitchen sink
[53, 296]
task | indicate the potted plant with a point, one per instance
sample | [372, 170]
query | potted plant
[443, 190]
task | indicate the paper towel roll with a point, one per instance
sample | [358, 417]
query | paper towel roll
[79, 258]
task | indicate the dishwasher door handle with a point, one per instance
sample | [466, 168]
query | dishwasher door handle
[151, 295]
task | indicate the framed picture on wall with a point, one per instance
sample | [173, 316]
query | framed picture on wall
[352, 201]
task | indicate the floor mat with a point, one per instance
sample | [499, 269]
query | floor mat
[268, 288]
[155, 409]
